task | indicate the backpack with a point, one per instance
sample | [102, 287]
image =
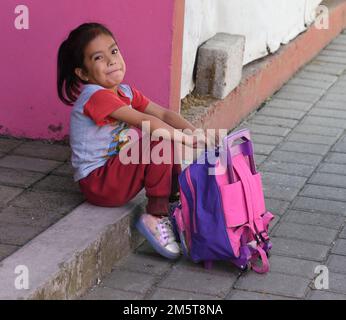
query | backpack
[222, 216]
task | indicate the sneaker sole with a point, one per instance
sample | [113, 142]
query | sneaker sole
[152, 240]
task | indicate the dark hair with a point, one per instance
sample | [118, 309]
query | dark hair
[71, 56]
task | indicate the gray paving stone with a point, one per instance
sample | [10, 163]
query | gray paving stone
[277, 207]
[7, 194]
[336, 47]
[338, 114]
[325, 295]
[281, 113]
[170, 294]
[198, 282]
[19, 178]
[319, 149]
[320, 205]
[104, 293]
[274, 283]
[38, 149]
[295, 157]
[18, 235]
[265, 139]
[343, 233]
[26, 163]
[248, 295]
[325, 122]
[144, 264]
[337, 105]
[317, 76]
[6, 145]
[324, 192]
[315, 129]
[65, 170]
[289, 104]
[328, 179]
[269, 130]
[333, 59]
[311, 138]
[301, 89]
[317, 219]
[295, 169]
[259, 159]
[57, 183]
[263, 149]
[299, 249]
[273, 121]
[337, 283]
[293, 266]
[334, 97]
[305, 97]
[314, 234]
[340, 247]
[340, 147]
[337, 263]
[280, 192]
[310, 83]
[334, 157]
[325, 67]
[271, 178]
[6, 250]
[338, 88]
[129, 281]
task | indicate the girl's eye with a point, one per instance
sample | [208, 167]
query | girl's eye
[98, 58]
[115, 51]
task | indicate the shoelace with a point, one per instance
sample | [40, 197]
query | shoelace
[166, 231]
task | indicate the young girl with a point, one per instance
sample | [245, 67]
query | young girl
[90, 74]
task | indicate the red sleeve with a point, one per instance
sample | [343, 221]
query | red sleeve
[101, 104]
[139, 101]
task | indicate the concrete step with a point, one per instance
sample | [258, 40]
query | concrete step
[72, 255]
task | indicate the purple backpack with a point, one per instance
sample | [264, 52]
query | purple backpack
[222, 216]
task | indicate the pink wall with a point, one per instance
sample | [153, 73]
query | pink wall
[29, 106]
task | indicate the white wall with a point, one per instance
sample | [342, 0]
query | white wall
[266, 24]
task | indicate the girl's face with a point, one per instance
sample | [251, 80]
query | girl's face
[104, 63]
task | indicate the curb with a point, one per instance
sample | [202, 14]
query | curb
[71, 256]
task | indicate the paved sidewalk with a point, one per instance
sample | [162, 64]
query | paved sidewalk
[36, 190]
[300, 144]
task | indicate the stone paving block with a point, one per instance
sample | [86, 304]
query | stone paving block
[305, 97]
[7, 194]
[338, 114]
[312, 83]
[314, 234]
[6, 145]
[259, 159]
[292, 266]
[43, 150]
[57, 183]
[325, 67]
[320, 205]
[317, 219]
[35, 217]
[26, 163]
[340, 147]
[324, 122]
[332, 168]
[343, 233]
[265, 139]
[170, 294]
[270, 130]
[277, 207]
[338, 88]
[340, 247]
[334, 97]
[289, 104]
[337, 263]
[271, 178]
[6, 250]
[328, 179]
[315, 129]
[299, 249]
[104, 293]
[144, 264]
[129, 281]
[198, 282]
[323, 192]
[337, 283]
[263, 149]
[338, 158]
[49, 201]
[301, 89]
[317, 76]
[272, 121]
[280, 192]
[274, 283]
[340, 39]
[295, 157]
[281, 113]
[248, 295]
[336, 47]
[332, 59]
[311, 138]
[295, 169]
[319, 149]
[65, 170]
[19, 178]
[325, 295]
[17, 235]
[337, 105]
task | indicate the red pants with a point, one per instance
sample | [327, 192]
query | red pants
[114, 184]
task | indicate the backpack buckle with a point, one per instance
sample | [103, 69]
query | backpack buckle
[262, 237]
